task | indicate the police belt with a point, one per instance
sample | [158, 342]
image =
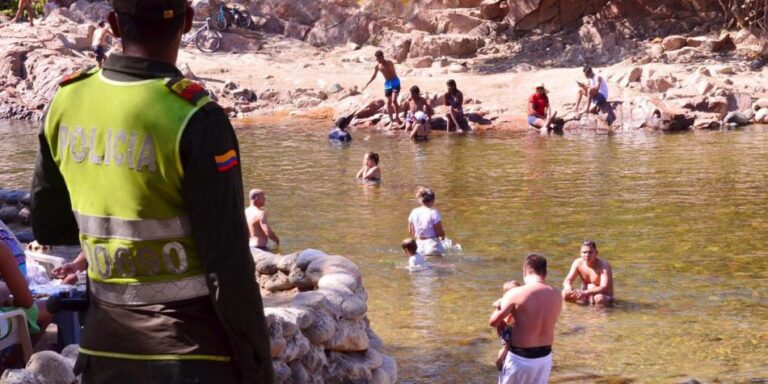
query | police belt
[150, 293]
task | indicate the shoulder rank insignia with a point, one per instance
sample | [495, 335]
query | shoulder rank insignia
[78, 75]
[186, 89]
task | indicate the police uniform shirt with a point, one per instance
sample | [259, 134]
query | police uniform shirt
[214, 203]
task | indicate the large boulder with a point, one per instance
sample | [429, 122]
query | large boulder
[492, 10]
[724, 43]
[51, 367]
[445, 45]
[20, 376]
[659, 82]
[458, 23]
[337, 26]
[399, 48]
[761, 116]
[674, 42]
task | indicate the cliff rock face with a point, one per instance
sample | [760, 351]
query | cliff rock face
[553, 15]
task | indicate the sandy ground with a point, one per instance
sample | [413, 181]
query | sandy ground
[285, 64]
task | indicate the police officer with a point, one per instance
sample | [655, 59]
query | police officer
[140, 167]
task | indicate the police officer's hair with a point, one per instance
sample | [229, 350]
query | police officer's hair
[149, 31]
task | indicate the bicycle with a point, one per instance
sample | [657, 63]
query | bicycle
[226, 17]
[242, 18]
[205, 39]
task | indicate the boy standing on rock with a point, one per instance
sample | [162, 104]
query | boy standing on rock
[391, 85]
[25, 5]
[97, 43]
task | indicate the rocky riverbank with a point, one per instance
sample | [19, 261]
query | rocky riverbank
[667, 64]
[315, 306]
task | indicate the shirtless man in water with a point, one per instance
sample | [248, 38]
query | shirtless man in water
[596, 278]
[534, 308]
[391, 85]
[97, 43]
[257, 222]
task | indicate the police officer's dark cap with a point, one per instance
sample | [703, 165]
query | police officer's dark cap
[150, 9]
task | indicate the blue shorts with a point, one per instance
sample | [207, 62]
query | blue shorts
[532, 120]
[598, 99]
[391, 85]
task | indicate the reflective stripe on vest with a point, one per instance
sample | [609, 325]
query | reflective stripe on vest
[150, 293]
[137, 230]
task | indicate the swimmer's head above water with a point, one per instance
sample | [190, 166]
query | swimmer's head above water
[372, 156]
[409, 246]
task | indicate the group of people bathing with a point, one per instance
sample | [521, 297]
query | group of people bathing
[525, 316]
[595, 90]
[418, 110]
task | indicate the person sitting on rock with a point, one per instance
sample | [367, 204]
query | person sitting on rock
[419, 114]
[13, 244]
[415, 259]
[391, 85]
[454, 101]
[370, 170]
[538, 109]
[14, 292]
[258, 226]
[596, 278]
[426, 226]
[339, 132]
[596, 91]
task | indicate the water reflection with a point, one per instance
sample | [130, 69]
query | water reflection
[681, 218]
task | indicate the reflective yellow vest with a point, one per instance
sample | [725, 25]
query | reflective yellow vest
[117, 146]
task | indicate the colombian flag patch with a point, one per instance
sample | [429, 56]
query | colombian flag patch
[226, 161]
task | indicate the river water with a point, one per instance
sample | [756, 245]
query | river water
[683, 219]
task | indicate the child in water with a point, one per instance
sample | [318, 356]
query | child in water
[504, 332]
[415, 259]
[370, 170]
[426, 226]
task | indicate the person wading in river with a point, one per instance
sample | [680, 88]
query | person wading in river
[142, 168]
[596, 278]
[534, 308]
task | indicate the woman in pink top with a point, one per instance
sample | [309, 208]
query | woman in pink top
[426, 226]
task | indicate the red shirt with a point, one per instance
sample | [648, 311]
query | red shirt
[540, 103]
